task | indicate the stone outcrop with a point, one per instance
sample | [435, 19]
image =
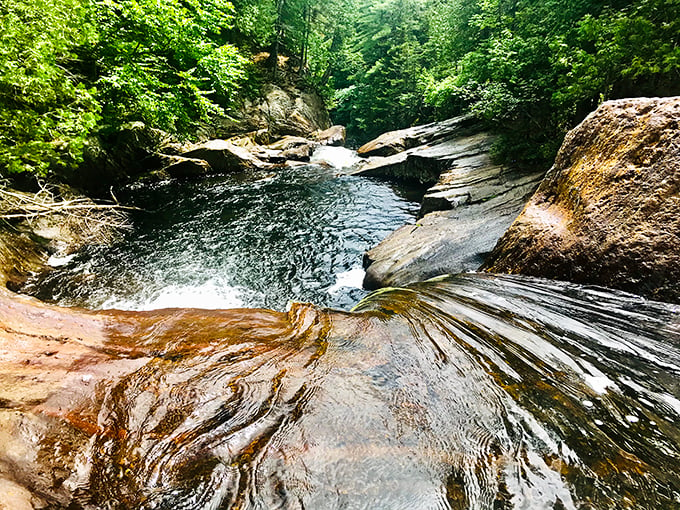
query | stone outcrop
[430, 150]
[608, 210]
[176, 408]
[462, 216]
[281, 110]
[181, 167]
[19, 257]
[223, 156]
[137, 151]
[394, 142]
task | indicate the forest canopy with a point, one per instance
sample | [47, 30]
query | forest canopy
[70, 69]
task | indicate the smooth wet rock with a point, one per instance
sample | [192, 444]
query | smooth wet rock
[427, 152]
[453, 240]
[608, 210]
[477, 391]
[223, 156]
[334, 136]
[462, 216]
[393, 142]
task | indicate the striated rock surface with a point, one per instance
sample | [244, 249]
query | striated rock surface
[478, 391]
[395, 142]
[422, 153]
[608, 210]
[471, 205]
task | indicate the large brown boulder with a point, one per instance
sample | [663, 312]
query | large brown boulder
[608, 211]
[224, 156]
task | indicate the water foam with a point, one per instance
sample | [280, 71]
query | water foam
[354, 278]
[337, 157]
[210, 295]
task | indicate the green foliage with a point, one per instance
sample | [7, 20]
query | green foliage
[537, 68]
[71, 67]
[46, 112]
[254, 22]
[530, 68]
[164, 62]
[388, 62]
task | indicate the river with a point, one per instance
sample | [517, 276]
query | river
[247, 240]
[473, 391]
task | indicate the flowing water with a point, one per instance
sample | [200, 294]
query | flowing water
[256, 240]
[471, 392]
[468, 392]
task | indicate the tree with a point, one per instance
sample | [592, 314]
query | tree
[46, 109]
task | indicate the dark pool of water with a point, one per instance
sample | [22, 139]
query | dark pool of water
[240, 240]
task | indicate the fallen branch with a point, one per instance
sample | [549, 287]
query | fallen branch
[79, 216]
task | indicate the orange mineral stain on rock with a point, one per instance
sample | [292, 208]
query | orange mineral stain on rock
[615, 186]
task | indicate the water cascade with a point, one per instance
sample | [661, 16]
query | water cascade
[475, 391]
[258, 239]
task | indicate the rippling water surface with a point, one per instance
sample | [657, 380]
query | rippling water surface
[471, 392]
[247, 240]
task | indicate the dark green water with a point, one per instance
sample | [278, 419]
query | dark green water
[232, 241]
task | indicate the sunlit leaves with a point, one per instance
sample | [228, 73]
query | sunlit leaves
[45, 112]
[71, 67]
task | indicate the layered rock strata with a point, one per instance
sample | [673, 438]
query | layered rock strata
[471, 204]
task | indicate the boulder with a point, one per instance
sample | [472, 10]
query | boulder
[288, 142]
[299, 153]
[181, 167]
[20, 257]
[607, 211]
[118, 157]
[424, 153]
[223, 156]
[334, 136]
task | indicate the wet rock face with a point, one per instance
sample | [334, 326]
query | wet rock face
[607, 212]
[478, 391]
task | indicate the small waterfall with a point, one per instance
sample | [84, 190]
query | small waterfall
[337, 157]
[476, 391]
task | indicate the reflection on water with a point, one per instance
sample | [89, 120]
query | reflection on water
[254, 240]
[476, 391]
